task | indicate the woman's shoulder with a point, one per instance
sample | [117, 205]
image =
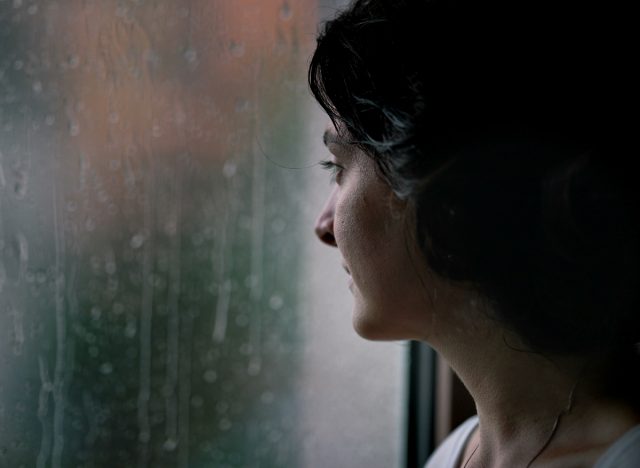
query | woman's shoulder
[624, 453]
[448, 453]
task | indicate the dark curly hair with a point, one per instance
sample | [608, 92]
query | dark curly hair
[503, 123]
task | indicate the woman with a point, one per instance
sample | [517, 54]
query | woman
[484, 204]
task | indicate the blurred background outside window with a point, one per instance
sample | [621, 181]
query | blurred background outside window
[163, 299]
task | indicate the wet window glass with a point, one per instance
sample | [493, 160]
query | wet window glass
[163, 300]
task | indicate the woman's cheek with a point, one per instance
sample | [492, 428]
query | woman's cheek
[339, 222]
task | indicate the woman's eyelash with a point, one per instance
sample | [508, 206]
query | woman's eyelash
[332, 167]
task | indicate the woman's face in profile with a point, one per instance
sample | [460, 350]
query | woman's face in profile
[373, 230]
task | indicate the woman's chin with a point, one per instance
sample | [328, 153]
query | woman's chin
[374, 329]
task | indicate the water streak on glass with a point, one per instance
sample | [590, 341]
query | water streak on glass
[256, 279]
[43, 409]
[173, 321]
[146, 317]
[223, 256]
[61, 331]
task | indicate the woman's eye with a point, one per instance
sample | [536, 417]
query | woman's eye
[333, 168]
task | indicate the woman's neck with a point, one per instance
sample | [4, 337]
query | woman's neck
[529, 406]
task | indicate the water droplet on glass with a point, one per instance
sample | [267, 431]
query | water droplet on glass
[106, 368]
[229, 169]
[267, 398]
[236, 49]
[37, 87]
[170, 445]
[190, 55]
[222, 407]
[210, 376]
[254, 367]
[23, 249]
[276, 302]
[21, 184]
[224, 424]
[96, 313]
[3, 181]
[151, 56]
[41, 277]
[18, 64]
[285, 11]
[130, 330]
[242, 105]
[242, 320]
[74, 129]
[156, 131]
[245, 348]
[49, 120]
[137, 241]
[110, 267]
[29, 277]
[251, 281]
[74, 61]
[275, 436]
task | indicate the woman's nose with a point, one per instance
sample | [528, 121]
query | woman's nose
[324, 223]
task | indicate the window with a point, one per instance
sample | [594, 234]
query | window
[162, 299]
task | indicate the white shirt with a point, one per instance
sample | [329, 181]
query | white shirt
[623, 453]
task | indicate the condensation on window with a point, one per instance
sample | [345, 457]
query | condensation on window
[162, 299]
